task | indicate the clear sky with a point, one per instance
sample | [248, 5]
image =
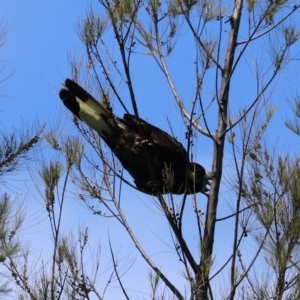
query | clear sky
[41, 35]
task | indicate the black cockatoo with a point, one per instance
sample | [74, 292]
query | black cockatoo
[158, 163]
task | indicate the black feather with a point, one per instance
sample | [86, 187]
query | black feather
[157, 161]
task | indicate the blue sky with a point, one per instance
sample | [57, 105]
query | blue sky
[41, 35]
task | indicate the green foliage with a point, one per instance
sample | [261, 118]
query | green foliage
[121, 11]
[10, 223]
[51, 175]
[93, 28]
[294, 124]
[275, 190]
[13, 149]
[273, 7]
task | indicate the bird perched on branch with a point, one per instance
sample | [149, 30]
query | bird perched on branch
[158, 163]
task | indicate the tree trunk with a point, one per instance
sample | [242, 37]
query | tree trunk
[210, 222]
